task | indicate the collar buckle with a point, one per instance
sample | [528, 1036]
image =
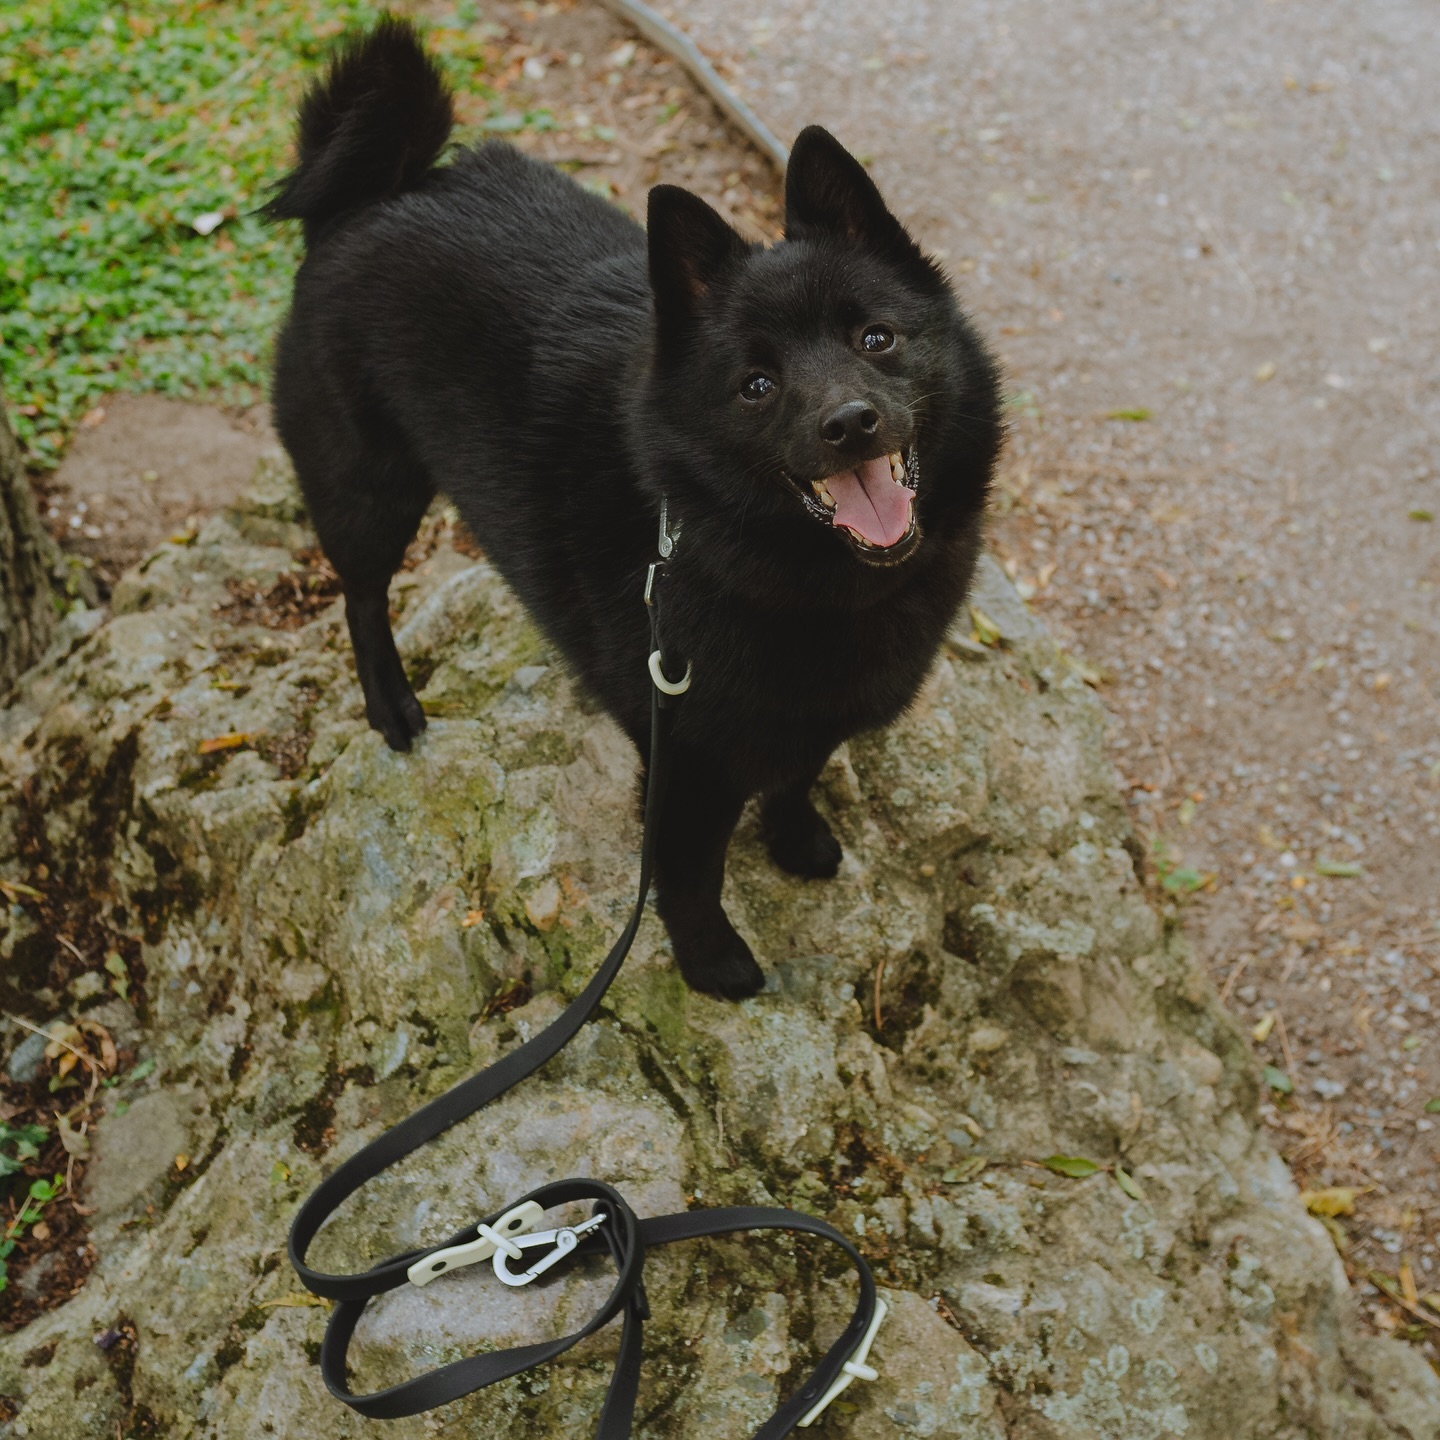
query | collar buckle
[668, 537]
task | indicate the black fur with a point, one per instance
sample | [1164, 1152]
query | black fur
[373, 129]
[490, 330]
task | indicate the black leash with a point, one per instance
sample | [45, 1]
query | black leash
[504, 1237]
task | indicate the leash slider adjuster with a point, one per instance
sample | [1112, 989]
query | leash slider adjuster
[854, 1368]
[498, 1238]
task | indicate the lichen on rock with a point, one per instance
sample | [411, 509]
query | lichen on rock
[330, 933]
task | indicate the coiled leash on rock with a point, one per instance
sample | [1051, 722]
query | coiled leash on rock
[509, 1237]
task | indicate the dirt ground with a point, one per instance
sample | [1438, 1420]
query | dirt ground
[1204, 239]
[144, 467]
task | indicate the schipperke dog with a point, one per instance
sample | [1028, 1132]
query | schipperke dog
[819, 416]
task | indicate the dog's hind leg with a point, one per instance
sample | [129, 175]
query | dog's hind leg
[364, 528]
[390, 703]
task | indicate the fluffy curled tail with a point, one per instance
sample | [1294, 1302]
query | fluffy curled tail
[370, 128]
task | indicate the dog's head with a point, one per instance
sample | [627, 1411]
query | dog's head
[803, 379]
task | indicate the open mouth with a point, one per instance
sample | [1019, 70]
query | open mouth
[871, 505]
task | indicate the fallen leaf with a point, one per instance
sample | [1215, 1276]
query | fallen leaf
[40, 1230]
[1337, 1200]
[1278, 1080]
[299, 1299]
[233, 741]
[1075, 1166]
[74, 1142]
[966, 644]
[182, 1162]
[119, 976]
[472, 918]
[109, 1055]
[987, 632]
[966, 1171]
[1186, 813]
[1422, 515]
[13, 889]
[1339, 869]
[1135, 415]
[1432, 1107]
[62, 1034]
[1126, 1182]
[1092, 675]
[1184, 880]
[91, 418]
[1407, 1283]
[1265, 372]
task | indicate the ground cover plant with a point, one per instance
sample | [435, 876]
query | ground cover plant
[136, 143]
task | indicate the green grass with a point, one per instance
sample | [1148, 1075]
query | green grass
[119, 125]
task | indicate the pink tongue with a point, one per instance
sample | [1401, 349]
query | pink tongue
[869, 502]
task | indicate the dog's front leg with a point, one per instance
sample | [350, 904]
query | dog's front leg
[700, 809]
[796, 834]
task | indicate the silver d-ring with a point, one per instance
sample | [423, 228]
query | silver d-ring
[667, 687]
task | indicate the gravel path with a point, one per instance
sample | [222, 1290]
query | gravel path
[1224, 219]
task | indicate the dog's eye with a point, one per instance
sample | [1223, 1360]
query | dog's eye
[758, 387]
[877, 338]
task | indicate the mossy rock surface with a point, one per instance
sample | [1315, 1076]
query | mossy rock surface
[330, 933]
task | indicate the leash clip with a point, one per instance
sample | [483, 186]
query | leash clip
[564, 1239]
[854, 1368]
[490, 1240]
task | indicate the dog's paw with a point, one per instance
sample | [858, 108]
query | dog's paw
[399, 719]
[721, 966]
[803, 845]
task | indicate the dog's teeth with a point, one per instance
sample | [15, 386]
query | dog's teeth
[819, 487]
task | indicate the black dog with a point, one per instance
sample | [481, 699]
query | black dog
[821, 418]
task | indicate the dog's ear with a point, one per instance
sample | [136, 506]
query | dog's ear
[691, 245]
[827, 189]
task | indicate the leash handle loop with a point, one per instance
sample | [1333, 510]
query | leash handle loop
[612, 1228]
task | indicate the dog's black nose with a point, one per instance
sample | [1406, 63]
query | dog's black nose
[851, 423]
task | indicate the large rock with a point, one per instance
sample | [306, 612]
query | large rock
[325, 926]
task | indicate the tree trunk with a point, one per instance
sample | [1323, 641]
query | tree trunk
[28, 563]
